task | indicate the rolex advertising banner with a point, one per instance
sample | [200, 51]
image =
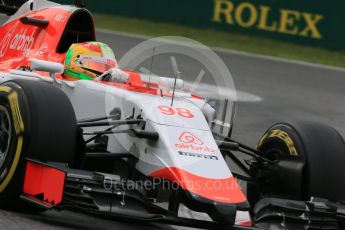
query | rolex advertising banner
[308, 22]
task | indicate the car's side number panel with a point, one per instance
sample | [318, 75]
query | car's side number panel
[169, 111]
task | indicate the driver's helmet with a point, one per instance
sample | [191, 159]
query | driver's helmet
[88, 60]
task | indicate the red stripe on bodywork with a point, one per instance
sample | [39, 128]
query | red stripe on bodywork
[220, 190]
[42, 179]
[135, 79]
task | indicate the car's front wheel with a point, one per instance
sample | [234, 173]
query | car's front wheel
[320, 147]
[37, 121]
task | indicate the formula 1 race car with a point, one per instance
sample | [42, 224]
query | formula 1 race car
[124, 150]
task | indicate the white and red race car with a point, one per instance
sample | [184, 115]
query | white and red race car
[122, 150]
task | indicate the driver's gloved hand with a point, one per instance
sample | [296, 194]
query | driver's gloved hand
[114, 75]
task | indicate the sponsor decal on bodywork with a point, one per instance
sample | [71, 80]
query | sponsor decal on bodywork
[17, 40]
[198, 155]
[190, 141]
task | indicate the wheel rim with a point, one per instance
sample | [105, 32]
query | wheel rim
[5, 134]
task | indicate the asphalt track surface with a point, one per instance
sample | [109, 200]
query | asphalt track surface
[289, 91]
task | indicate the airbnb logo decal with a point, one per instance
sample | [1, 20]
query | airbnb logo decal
[16, 39]
[190, 141]
[187, 137]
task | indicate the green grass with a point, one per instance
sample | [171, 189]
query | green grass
[214, 38]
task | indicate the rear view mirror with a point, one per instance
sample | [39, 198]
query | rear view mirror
[47, 66]
[52, 68]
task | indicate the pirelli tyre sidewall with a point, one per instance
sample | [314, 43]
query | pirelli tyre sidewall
[35, 132]
[323, 151]
[11, 101]
[279, 139]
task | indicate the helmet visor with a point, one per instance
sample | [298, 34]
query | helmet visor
[97, 65]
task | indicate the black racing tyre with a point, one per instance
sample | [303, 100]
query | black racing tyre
[37, 121]
[323, 151]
